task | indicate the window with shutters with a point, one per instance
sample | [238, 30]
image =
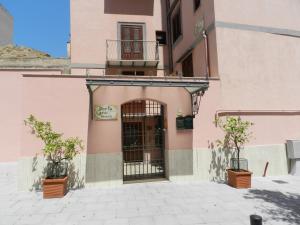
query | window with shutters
[132, 42]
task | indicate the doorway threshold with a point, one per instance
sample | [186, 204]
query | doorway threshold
[145, 181]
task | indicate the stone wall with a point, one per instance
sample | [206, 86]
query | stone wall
[35, 64]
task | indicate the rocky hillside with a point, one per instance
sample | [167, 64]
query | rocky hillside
[19, 52]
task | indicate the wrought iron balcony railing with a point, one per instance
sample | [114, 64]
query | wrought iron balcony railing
[132, 53]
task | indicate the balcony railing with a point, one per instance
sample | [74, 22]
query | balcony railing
[132, 53]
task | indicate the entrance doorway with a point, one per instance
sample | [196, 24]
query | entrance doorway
[143, 140]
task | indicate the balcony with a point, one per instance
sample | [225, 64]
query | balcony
[137, 53]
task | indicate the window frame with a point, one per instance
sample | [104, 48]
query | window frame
[139, 73]
[119, 27]
[163, 35]
[177, 12]
[185, 62]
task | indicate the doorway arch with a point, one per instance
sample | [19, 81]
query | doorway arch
[143, 139]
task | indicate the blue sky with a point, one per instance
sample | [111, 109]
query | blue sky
[41, 24]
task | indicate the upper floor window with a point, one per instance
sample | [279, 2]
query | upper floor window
[161, 37]
[188, 67]
[197, 4]
[133, 73]
[132, 42]
[176, 25]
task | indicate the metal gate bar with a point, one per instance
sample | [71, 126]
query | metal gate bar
[143, 140]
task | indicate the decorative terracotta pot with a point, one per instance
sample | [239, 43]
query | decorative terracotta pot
[239, 179]
[55, 188]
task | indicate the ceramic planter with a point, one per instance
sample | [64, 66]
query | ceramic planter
[55, 188]
[239, 179]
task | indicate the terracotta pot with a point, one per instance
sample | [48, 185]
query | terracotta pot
[55, 188]
[239, 179]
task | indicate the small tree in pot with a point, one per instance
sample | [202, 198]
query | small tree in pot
[237, 134]
[58, 152]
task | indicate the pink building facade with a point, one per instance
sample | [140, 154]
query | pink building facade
[144, 83]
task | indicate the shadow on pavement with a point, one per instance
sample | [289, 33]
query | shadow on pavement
[282, 207]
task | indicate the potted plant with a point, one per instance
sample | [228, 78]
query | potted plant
[237, 134]
[58, 152]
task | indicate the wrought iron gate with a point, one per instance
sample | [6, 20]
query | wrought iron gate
[143, 140]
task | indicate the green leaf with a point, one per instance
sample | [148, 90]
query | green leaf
[56, 149]
[236, 132]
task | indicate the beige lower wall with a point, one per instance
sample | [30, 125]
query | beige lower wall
[84, 171]
[105, 169]
[31, 172]
[212, 164]
[276, 155]
[179, 164]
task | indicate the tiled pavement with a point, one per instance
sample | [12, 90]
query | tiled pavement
[276, 199]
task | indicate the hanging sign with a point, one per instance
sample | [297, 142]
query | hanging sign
[106, 112]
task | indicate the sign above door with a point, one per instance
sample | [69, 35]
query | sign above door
[106, 112]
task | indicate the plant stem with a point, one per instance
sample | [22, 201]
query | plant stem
[238, 154]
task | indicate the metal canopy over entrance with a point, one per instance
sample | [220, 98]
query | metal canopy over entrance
[149, 82]
[143, 142]
[195, 86]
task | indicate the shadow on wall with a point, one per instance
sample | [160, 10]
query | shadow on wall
[74, 179]
[281, 207]
[37, 183]
[129, 7]
[220, 161]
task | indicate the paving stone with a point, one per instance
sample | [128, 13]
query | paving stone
[190, 219]
[127, 213]
[141, 221]
[95, 222]
[166, 220]
[149, 211]
[56, 218]
[117, 221]
[31, 220]
[276, 199]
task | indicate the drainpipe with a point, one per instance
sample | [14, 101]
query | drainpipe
[91, 101]
[170, 45]
[207, 58]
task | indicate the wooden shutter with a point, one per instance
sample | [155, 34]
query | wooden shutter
[132, 42]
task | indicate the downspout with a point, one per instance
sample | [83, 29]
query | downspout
[91, 101]
[170, 46]
[207, 56]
